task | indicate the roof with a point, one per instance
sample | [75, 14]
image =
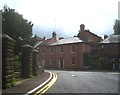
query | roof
[91, 33]
[37, 44]
[45, 42]
[37, 38]
[67, 41]
[112, 39]
[85, 31]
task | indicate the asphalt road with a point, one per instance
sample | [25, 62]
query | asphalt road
[85, 82]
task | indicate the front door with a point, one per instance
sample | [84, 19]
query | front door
[61, 63]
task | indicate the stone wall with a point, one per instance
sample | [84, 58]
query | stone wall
[30, 64]
[7, 61]
[27, 60]
[35, 62]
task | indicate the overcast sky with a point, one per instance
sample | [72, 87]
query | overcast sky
[65, 16]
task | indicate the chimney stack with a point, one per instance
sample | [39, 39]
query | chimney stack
[82, 27]
[44, 38]
[53, 35]
[105, 36]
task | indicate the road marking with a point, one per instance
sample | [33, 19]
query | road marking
[46, 87]
[38, 87]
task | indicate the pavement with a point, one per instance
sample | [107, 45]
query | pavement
[29, 85]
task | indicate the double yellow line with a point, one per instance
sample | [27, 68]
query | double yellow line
[46, 87]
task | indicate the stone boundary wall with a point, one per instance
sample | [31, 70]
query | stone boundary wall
[7, 61]
[30, 64]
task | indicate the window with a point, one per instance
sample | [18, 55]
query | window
[73, 48]
[61, 50]
[51, 50]
[51, 61]
[90, 39]
[73, 61]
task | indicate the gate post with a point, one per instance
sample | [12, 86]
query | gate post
[26, 71]
[7, 61]
[35, 62]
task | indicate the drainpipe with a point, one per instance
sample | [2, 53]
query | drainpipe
[55, 57]
[78, 55]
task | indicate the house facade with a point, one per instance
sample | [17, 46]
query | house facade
[66, 53]
[109, 52]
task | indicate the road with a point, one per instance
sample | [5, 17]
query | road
[85, 82]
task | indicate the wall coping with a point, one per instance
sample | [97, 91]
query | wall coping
[7, 37]
[27, 46]
[34, 50]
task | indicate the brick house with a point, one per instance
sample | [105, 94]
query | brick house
[67, 53]
[88, 36]
[109, 52]
[91, 58]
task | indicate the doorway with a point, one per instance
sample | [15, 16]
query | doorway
[61, 63]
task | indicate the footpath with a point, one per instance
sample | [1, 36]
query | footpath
[29, 84]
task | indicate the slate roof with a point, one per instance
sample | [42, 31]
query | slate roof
[85, 31]
[67, 41]
[112, 39]
[46, 42]
[37, 44]
[38, 38]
